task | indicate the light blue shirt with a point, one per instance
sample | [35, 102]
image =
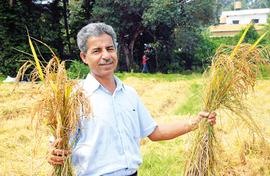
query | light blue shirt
[109, 140]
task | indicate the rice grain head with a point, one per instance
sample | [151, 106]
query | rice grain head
[230, 78]
[59, 102]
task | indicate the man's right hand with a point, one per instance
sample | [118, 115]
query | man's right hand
[57, 156]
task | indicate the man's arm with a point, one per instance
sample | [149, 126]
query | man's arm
[178, 128]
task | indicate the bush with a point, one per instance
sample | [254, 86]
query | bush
[78, 69]
[2, 77]
[251, 36]
[265, 71]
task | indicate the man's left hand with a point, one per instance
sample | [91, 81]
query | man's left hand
[210, 116]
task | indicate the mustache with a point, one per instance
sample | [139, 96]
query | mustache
[105, 61]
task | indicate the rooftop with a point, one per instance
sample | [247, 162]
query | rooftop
[246, 12]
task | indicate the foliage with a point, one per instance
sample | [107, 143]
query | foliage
[194, 49]
[266, 29]
[218, 41]
[205, 50]
[208, 45]
[43, 21]
[126, 18]
[161, 12]
[185, 14]
[187, 48]
[78, 69]
[177, 26]
[265, 72]
[80, 15]
[251, 36]
[2, 77]
[9, 26]
[163, 23]
[135, 20]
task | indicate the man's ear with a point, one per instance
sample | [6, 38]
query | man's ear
[83, 57]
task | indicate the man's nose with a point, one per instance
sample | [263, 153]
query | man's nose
[105, 54]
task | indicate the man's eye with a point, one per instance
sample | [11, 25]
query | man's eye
[95, 51]
[110, 49]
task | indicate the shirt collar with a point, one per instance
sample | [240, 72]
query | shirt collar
[91, 84]
[119, 84]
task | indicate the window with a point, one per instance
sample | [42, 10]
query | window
[235, 21]
[255, 21]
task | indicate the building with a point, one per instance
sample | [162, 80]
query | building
[232, 22]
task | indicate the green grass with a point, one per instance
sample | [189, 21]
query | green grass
[159, 76]
[2, 77]
[77, 69]
[157, 161]
[265, 72]
[193, 103]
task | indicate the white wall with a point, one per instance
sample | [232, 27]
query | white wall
[245, 19]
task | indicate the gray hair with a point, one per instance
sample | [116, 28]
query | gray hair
[94, 30]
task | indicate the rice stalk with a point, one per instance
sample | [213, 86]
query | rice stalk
[231, 77]
[59, 101]
[38, 67]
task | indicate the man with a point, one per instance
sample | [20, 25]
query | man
[144, 63]
[109, 140]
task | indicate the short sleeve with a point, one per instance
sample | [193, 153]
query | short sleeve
[147, 123]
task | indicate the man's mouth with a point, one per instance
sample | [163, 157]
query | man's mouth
[107, 63]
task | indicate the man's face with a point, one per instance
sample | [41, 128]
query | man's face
[101, 56]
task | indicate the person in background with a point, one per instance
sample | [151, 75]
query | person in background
[144, 63]
[109, 140]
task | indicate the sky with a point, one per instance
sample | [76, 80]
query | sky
[43, 1]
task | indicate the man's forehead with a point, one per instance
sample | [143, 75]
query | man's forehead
[100, 41]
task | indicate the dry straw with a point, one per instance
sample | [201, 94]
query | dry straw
[59, 102]
[230, 78]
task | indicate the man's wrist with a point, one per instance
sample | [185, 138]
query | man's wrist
[193, 123]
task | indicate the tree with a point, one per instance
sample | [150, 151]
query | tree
[169, 25]
[126, 18]
[43, 22]
[183, 21]
[80, 15]
[154, 21]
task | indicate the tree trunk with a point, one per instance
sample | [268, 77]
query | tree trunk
[66, 24]
[56, 25]
[87, 5]
[127, 43]
[131, 48]
[133, 65]
[11, 3]
[127, 58]
[156, 59]
[155, 49]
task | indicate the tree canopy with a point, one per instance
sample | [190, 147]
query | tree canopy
[174, 29]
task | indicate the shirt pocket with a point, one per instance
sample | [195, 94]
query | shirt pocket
[130, 121]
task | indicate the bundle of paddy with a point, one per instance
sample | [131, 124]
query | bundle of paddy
[59, 102]
[230, 78]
